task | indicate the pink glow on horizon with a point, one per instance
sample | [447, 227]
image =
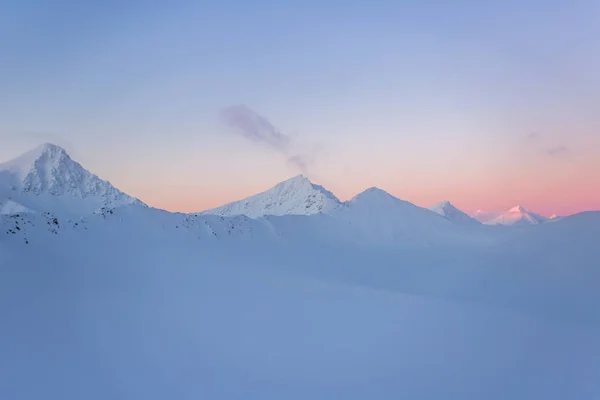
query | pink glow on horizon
[571, 197]
[540, 184]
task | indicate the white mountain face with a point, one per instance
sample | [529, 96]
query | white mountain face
[449, 211]
[517, 216]
[378, 217]
[371, 217]
[295, 196]
[46, 179]
[377, 203]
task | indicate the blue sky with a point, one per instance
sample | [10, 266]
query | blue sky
[430, 100]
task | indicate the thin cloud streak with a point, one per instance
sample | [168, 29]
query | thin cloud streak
[558, 151]
[537, 140]
[256, 128]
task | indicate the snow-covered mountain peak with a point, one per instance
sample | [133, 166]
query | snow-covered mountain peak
[301, 183]
[49, 169]
[297, 180]
[443, 206]
[50, 150]
[374, 195]
[297, 196]
[449, 211]
[42, 155]
[48, 179]
[518, 209]
[518, 216]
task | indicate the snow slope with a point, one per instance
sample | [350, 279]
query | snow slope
[376, 218]
[517, 216]
[447, 210]
[8, 207]
[295, 196]
[132, 307]
[46, 179]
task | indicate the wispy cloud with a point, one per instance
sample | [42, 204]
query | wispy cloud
[254, 127]
[541, 144]
[301, 161]
[558, 151]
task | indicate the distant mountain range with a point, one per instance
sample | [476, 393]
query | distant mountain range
[299, 196]
[47, 179]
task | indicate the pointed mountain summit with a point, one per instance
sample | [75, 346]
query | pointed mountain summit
[379, 217]
[375, 201]
[46, 179]
[295, 196]
[518, 209]
[449, 211]
[518, 216]
[375, 196]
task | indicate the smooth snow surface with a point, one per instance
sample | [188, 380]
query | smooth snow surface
[139, 303]
[296, 196]
[375, 299]
[449, 211]
[9, 207]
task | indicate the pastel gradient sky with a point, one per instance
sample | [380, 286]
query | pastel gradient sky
[487, 104]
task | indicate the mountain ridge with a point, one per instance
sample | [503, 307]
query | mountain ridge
[447, 210]
[35, 180]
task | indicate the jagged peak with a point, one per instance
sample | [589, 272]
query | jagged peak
[48, 152]
[296, 195]
[48, 169]
[46, 157]
[300, 183]
[448, 210]
[43, 157]
[50, 148]
[295, 180]
[443, 205]
[518, 209]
